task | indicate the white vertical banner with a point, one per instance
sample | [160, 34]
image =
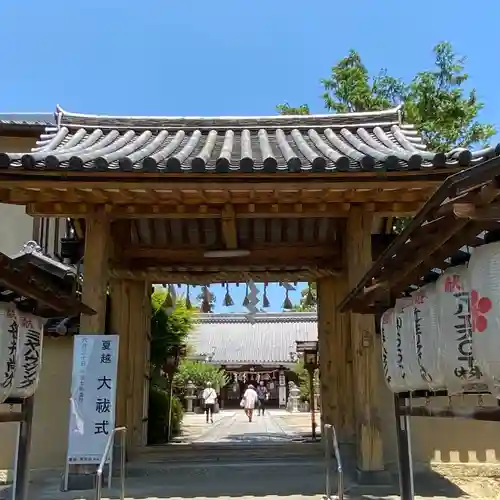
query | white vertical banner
[93, 397]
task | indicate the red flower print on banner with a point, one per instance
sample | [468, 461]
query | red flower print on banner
[479, 307]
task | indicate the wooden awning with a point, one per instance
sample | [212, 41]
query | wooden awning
[463, 213]
[32, 287]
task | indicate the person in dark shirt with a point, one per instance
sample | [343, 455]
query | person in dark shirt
[263, 395]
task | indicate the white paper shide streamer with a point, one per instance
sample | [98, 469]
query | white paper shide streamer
[8, 349]
[29, 359]
[484, 270]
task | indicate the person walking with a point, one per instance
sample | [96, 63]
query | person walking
[263, 395]
[209, 397]
[249, 401]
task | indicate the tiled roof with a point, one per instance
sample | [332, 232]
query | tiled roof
[375, 140]
[270, 339]
[27, 119]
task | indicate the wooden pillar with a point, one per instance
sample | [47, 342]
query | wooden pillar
[366, 381]
[130, 318]
[337, 407]
[119, 326]
[95, 280]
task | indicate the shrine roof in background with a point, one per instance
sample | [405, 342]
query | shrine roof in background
[269, 339]
[462, 214]
[375, 141]
[26, 124]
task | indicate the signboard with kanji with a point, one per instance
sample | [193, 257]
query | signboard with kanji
[93, 397]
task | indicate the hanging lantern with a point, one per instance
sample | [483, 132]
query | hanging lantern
[287, 304]
[265, 300]
[188, 300]
[228, 301]
[246, 301]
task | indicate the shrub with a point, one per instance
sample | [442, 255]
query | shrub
[303, 380]
[199, 373]
[158, 415]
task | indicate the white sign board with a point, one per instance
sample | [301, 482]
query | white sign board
[93, 397]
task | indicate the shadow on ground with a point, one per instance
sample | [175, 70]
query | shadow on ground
[253, 479]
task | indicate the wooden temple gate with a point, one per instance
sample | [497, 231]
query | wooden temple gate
[222, 200]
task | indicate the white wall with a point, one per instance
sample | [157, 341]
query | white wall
[16, 228]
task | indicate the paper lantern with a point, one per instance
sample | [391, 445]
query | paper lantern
[459, 367]
[425, 332]
[29, 363]
[391, 362]
[8, 349]
[484, 275]
[406, 346]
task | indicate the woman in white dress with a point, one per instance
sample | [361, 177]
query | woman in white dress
[249, 401]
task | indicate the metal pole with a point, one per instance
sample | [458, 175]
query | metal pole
[327, 438]
[311, 403]
[122, 464]
[169, 431]
[403, 439]
[23, 451]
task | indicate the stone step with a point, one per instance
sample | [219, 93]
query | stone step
[207, 452]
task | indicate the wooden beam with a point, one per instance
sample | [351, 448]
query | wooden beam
[472, 212]
[367, 383]
[119, 325]
[142, 181]
[335, 357]
[205, 211]
[130, 319]
[263, 254]
[138, 343]
[195, 276]
[228, 223]
[95, 281]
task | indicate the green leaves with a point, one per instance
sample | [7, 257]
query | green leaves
[199, 374]
[435, 100]
[441, 109]
[168, 330]
[286, 109]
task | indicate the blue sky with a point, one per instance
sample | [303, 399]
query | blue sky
[198, 57]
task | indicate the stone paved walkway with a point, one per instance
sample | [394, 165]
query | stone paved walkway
[194, 426]
[257, 468]
[237, 429]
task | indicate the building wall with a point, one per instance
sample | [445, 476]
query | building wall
[51, 418]
[16, 227]
[441, 439]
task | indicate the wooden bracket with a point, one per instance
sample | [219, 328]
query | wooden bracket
[228, 222]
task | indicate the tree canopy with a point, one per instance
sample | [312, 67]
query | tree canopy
[168, 329]
[434, 100]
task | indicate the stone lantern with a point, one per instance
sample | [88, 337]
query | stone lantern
[190, 396]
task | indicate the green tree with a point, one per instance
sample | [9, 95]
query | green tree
[168, 328]
[435, 100]
[308, 299]
[210, 306]
[199, 374]
[303, 380]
